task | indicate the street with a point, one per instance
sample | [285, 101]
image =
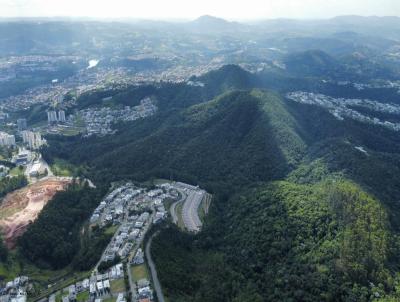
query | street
[153, 271]
[190, 211]
[174, 205]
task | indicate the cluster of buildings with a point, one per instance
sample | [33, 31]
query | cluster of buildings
[129, 207]
[53, 117]
[113, 207]
[133, 210]
[79, 83]
[100, 121]
[181, 73]
[11, 67]
[15, 291]
[45, 94]
[7, 140]
[22, 158]
[129, 233]
[98, 286]
[378, 85]
[195, 83]
[33, 140]
[343, 108]
[27, 66]
[88, 79]
[144, 291]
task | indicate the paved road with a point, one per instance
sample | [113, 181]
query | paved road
[190, 213]
[104, 251]
[153, 271]
[172, 209]
[131, 283]
[138, 243]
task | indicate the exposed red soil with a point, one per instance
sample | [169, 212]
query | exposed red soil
[23, 206]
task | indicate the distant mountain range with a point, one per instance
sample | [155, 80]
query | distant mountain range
[338, 36]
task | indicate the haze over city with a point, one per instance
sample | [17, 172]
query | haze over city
[184, 9]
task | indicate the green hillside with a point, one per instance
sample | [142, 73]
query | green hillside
[225, 131]
[299, 213]
[283, 242]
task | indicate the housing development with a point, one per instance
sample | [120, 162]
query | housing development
[347, 108]
[100, 120]
[122, 274]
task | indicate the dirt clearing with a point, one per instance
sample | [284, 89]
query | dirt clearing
[23, 206]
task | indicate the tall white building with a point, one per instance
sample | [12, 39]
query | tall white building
[33, 139]
[52, 116]
[61, 116]
[7, 139]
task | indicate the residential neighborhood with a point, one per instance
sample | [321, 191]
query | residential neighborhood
[131, 211]
[99, 121]
[15, 291]
[128, 212]
[342, 108]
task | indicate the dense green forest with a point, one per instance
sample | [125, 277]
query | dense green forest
[53, 240]
[93, 242]
[284, 241]
[299, 214]
[9, 184]
[224, 130]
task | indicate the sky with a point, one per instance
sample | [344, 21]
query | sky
[190, 9]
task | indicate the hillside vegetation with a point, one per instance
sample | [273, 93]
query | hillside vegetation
[54, 239]
[283, 242]
[298, 214]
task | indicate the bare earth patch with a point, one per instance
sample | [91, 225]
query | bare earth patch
[23, 206]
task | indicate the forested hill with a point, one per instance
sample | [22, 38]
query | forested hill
[299, 213]
[225, 130]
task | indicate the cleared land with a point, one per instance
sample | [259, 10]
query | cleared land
[139, 272]
[23, 206]
[118, 286]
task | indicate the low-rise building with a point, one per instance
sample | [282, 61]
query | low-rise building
[139, 257]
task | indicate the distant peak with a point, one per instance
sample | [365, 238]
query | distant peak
[214, 24]
[208, 18]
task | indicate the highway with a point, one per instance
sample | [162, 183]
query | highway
[190, 213]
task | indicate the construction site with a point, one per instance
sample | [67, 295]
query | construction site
[21, 207]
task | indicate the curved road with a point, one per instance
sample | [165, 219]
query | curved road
[153, 271]
[172, 209]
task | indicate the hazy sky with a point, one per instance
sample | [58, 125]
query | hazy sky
[188, 9]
